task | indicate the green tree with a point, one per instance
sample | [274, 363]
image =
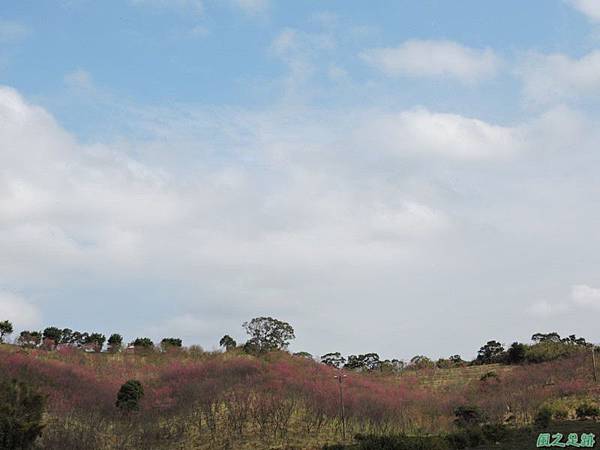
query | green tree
[303, 355]
[368, 361]
[574, 340]
[6, 328]
[456, 360]
[143, 342]
[268, 334]
[421, 362]
[129, 396]
[96, 340]
[443, 363]
[21, 411]
[393, 366]
[228, 342]
[66, 336]
[251, 347]
[143, 345]
[169, 344]
[516, 353]
[115, 343]
[546, 337]
[52, 334]
[334, 359]
[491, 352]
[549, 351]
[79, 339]
[29, 339]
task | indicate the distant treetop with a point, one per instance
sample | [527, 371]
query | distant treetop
[268, 334]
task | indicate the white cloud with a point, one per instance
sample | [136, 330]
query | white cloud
[299, 213]
[584, 295]
[543, 308]
[421, 132]
[19, 311]
[58, 200]
[409, 220]
[427, 58]
[299, 51]
[591, 8]
[558, 77]
[12, 31]
[65, 206]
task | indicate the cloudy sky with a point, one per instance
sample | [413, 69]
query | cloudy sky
[407, 177]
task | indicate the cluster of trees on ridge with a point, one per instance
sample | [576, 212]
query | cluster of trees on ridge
[545, 347]
[268, 334]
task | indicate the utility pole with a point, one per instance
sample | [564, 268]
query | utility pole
[340, 377]
[594, 362]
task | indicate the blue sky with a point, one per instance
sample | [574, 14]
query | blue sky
[421, 171]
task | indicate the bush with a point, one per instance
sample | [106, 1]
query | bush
[458, 440]
[468, 416]
[561, 413]
[475, 436]
[129, 396]
[549, 351]
[494, 432]
[489, 376]
[586, 410]
[21, 410]
[73, 432]
[543, 417]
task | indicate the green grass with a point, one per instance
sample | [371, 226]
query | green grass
[456, 376]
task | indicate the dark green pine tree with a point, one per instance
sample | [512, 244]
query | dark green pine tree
[129, 396]
[21, 410]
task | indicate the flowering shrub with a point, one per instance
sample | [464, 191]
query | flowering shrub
[220, 399]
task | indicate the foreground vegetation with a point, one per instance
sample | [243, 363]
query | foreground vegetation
[259, 396]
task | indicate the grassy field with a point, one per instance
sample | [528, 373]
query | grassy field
[459, 376]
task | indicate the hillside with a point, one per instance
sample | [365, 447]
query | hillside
[213, 400]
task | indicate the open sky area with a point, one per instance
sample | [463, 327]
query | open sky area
[401, 177]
